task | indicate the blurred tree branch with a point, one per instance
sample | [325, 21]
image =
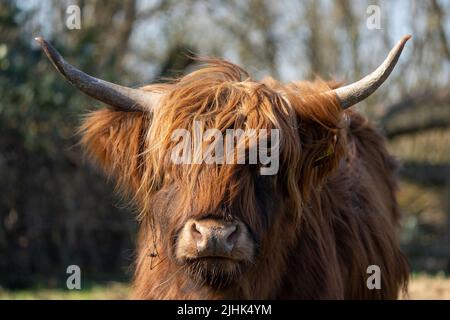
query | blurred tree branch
[440, 19]
[418, 127]
[351, 25]
[161, 6]
[440, 96]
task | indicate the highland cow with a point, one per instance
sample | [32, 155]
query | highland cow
[218, 231]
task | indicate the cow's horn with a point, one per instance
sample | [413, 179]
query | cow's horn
[358, 91]
[123, 98]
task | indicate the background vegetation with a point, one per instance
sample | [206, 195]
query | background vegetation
[56, 210]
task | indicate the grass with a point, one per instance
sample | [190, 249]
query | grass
[426, 287]
[422, 286]
[108, 291]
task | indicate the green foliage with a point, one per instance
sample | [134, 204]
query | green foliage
[54, 210]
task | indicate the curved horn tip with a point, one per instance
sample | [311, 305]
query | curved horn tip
[48, 49]
[360, 90]
[42, 42]
[404, 39]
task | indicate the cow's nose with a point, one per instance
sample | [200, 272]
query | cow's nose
[214, 238]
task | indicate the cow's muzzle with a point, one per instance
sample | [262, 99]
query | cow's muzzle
[214, 239]
[216, 252]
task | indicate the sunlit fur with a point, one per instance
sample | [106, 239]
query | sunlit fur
[328, 214]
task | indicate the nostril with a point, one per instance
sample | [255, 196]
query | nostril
[196, 232]
[232, 237]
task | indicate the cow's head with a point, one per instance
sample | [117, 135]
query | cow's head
[218, 220]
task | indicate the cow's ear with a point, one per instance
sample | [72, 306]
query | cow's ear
[322, 149]
[320, 126]
[115, 140]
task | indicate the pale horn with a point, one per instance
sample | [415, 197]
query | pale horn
[360, 90]
[120, 97]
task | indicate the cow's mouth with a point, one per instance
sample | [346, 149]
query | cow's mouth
[217, 272]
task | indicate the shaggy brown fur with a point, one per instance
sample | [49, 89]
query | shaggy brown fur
[328, 214]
